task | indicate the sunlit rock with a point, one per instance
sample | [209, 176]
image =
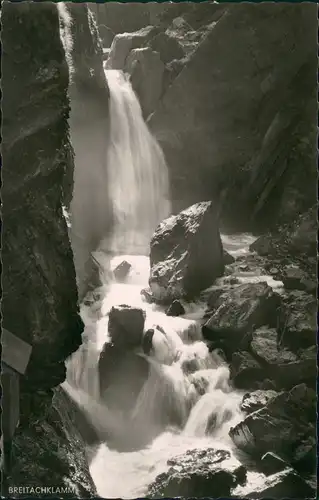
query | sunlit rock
[281, 425]
[186, 253]
[237, 311]
[198, 473]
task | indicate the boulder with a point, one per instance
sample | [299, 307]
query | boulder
[298, 319]
[271, 463]
[126, 326]
[121, 271]
[284, 484]
[245, 371]
[175, 309]
[123, 43]
[238, 311]
[167, 46]
[122, 375]
[281, 425]
[255, 400]
[186, 253]
[233, 147]
[266, 348]
[198, 473]
[147, 72]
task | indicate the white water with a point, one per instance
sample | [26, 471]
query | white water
[137, 171]
[205, 419]
[187, 401]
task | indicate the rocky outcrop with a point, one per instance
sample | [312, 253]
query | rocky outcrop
[298, 321]
[126, 325]
[235, 75]
[91, 212]
[280, 426]
[200, 473]
[40, 301]
[186, 253]
[256, 400]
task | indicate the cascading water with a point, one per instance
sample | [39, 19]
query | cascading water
[186, 401]
[137, 171]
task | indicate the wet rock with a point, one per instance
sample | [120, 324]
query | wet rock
[147, 342]
[284, 484]
[186, 253]
[238, 311]
[122, 375]
[90, 207]
[126, 325]
[246, 372]
[200, 473]
[175, 309]
[147, 72]
[147, 294]
[280, 426]
[271, 463]
[298, 319]
[121, 271]
[228, 259]
[293, 277]
[255, 400]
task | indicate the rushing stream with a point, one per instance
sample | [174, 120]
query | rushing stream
[200, 398]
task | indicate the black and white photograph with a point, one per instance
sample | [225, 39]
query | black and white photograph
[159, 250]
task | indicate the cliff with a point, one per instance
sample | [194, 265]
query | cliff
[90, 210]
[40, 301]
[235, 99]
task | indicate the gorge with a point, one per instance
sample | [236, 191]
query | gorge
[176, 334]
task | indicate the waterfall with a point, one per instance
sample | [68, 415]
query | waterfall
[138, 183]
[186, 400]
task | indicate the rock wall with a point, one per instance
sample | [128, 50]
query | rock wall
[40, 301]
[89, 123]
[242, 112]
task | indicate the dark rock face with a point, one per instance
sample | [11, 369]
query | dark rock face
[237, 311]
[91, 210]
[228, 259]
[249, 125]
[200, 473]
[126, 325]
[186, 253]
[271, 463]
[39, 302]
[265, 346]
[147, 74]
[50, 452]
[280, 426]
